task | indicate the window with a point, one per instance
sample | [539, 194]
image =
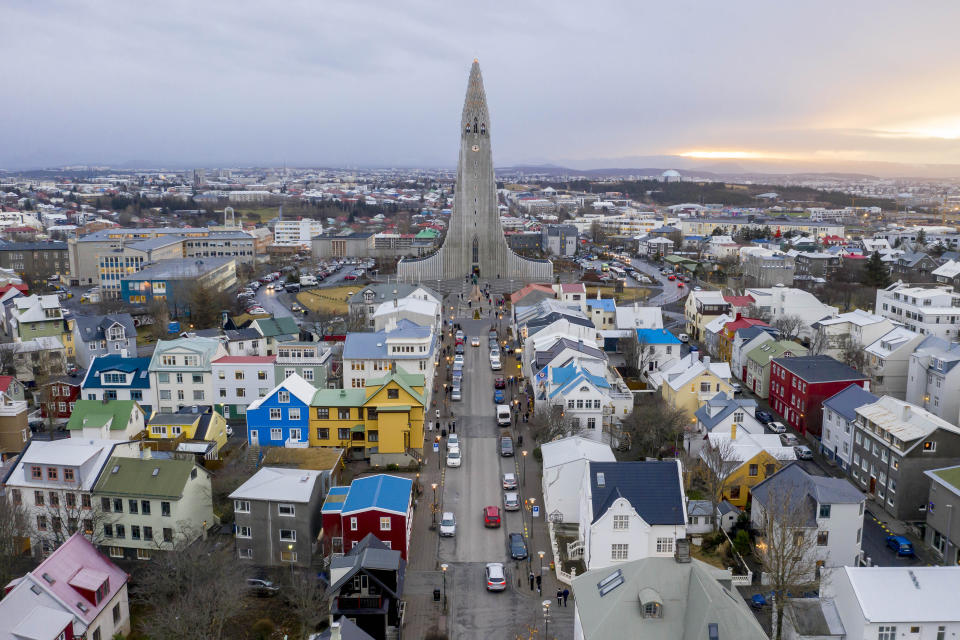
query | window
[664, 545]
[148, 534]
[261, 375]
[167, 534]
[323, 434]
[308, 375]
[385, 523]
[145, 507]
[165, 509]
[621, 523]
[941, 633]
[353, 523]
[283, 396]
[343, 434]
[824, 511]
[754, 470]
[652, 610]
[734, 493]
[293, 414]
[619, 551]
[822, 538]
[286, 509]
[393, 394]
[245, 554]
[886, 632]
[275, 413]
[323, 414]
[133, 506]
[930, 446]
[288, 535]
[244, 532]
[118, 505]
[134, 532]
[343, 414]
[41, 523]
[119, 531]
[142, 554]
[36, 473]
[52, 473]
[198, 394]
[288, 556]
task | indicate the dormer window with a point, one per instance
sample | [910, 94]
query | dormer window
[115, 333]
[651, 604]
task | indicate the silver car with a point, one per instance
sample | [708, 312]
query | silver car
[448, 524]
[509, 481]
[511, 501]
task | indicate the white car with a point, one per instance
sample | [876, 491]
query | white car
[453, 442]
[803, 452]
[509, 481]
[448, 524]
[683, 337]
[458, 359]
[511, 501]
[475, 341]
[777, 427]
[495, 363]
[454, 459]
[496, 578]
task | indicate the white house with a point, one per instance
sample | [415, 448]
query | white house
[564, 464]
[180, 372]
[839, 423]
[782, 301]
[724, 413]
[744, 340]
[929, 311]
[860, 326]
[621, 519]
[888, 361]
[239, 380]
[404, 346]
[657, 349]
[425, 313]
[296, 233]
[586, 395]
[832, 510]
[933, 378]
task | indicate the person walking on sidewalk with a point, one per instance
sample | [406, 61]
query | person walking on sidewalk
[539, 583]
[566, 594]
[559, 597]
[531, 581]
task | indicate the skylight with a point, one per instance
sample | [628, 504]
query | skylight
[610, 583]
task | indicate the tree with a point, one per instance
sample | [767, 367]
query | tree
[786, 547]
[852, 354]
[921, 238]
[597, 234]
[14, 539]
[818, 344]
[788, 325]
[308, 601]
[875, 273]
[717, 463]
[63, 513]
[753, 311]
[159, 312]
[652, 429]
[549, 423]
[204, 304]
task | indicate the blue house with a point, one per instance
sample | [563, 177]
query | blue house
[282, 417]
[114, 377]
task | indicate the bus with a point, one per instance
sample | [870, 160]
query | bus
[620, 273]
[604, 267]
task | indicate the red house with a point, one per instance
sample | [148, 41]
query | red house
[799, 385]
[381, 505]
[60, 395]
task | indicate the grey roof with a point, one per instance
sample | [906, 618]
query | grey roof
[699, 507]
[372, 346]
[728, 406]
[846, 402]
[726, 507]
[819, 368]
[153, 243]
[34, 246]
[947, 352]
[178, 268]
[247, 333]
[794, 483]
[652, 487]
[544, 357]
[91, 328]
[370, 554]
[385, 291]
[814, 617]
[746, 334]
[348, 631]
[690, 593]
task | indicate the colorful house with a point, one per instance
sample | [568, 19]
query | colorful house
[729, 332]
[754, 458]
[37, 317]
[799, 386]
[381, 505]
[59, 395]
[107, 420]
[198, 424]
[282, 417]
[757, 363]
[689, 382]
[115, 377]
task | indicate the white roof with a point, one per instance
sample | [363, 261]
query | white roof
[637, 317]
[414, 305]
[857, 317]
[904, 420]
[949, 269]
[69, 452]
[297, 386]
[716, 325]
[687, 368]
[747, 445]
[565, 450]
[275, 483]
[31, 308]
[890, 342]
[904, 594]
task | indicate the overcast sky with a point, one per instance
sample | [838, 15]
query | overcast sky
[585, 84]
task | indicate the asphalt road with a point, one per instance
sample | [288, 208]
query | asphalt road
[874, 545]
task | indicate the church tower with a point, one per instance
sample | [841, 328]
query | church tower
[475, 244]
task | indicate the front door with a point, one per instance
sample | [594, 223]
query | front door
[254, 438]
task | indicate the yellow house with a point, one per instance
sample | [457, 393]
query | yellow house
[689, 382]
[382, 422]
[752, 458]
[700, 308]
[67, 338]
[197, 424]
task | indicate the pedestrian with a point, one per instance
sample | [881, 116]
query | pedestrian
[531, 581]
[559, 597]
[566, 594]
[539, 583]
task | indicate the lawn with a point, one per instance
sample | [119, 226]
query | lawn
[629, 294]
[332, 300]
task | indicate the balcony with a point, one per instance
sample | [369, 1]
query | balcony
[359, 603]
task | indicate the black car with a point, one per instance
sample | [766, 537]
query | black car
[764, 417]
[518, 546]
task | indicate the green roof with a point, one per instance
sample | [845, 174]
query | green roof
[96, 413]
[762, 354]
[338, 398]
[282, 326]
[137, 477]
[428, 233]
[394, 407]
[406, 381]
[950, 475]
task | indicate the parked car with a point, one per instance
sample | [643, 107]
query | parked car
[262, 588]
[491, 517]
[506, 446]
[671, 277]
[292, 287]
[777, 427]
[458, 359]
[789, 440]
[456, 395]
[737, 388]
[448, 524]
[511, 501]
[496, 578]
[683, 337]
[498, 396]
[764, 417]
[499, 383]
[454, 459]
[495, 363]
[459, 349]
[518, 546]
[509, 481]
[461, 336]
[900, 545]
[803, 452]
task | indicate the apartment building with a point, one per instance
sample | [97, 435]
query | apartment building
[312, 361]
[799, 385]
[888, 361]
[700, 308]
[933, 378]
[757, 363]
[296, 233]
[777, 302]
[406, 347]
[766, 268]
[839, 421]
[181, 372]
[240, 380]
[860, 327]
[929, 311]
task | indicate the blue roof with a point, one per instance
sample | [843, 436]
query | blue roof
[606, 304]
[382, 492]
[114, 362]
[846, 402]
[569, 376]
[373, 346]
[652, 487]
[334, 500]
[656, 336]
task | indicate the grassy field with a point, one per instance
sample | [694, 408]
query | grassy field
[629, 294]
[332, 300]
[263, 213]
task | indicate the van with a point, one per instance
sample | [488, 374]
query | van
[308, 281]
[503, 414]
[900, 545]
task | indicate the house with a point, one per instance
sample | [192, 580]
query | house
[571, 293]
[933, 376]
[585, 395]
[728, 334]
[195, 429]
[14, 422]
[948, 273]
[744, 341]
[888, 361]
[114, 377]
[691, 381]
[363, 304]
[54, 481]
[277, 514]
[12, 388]
[700, 308]
[765, 268]
[282, 417]
[245, 342]
[275, 331]
[929, 311]
[424, 313]
[405, 346]
[60, 394]
[893, 602]
[366, 589]
[632, 317]
[662, 598]
[855, 329]
[710, 338]
[175, 280]
[181, 372]
[839, 423]
[36, 317]
[942, 531]
[799, 385]
[558, 350]
[723, 413]
[239, 380]
[914, 266]
[381, 505]
[329, 461]
[564, 463]
[382, 422]
[150, 503]
[631, 510]
[312, 361]
[104, 335]
[758, 362]
[777, 302]
[106, 420]
[894, 443]
[700, 517]
[38, 359]
[831, 510]
[75, 593]
[746, 458]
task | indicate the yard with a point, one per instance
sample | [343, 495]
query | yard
[629, 294]
[328, 301]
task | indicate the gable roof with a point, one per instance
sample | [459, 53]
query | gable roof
[728, 406]
[565, 450]
[796, 485]
[545, 356]
[91, 328]
[154, 477]
[96, 413]
[277, 326]
[653, 488]
[819, 368]
[277, 483]
[762, 354]
[383, 292]
[846, 402]
[382, 492]
[204, 347]
[656, 336]
[369, 553]
[403, 381]
[139, 367]
[295, 385]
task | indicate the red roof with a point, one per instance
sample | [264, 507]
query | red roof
[742, 323]
[517, 296]
[246, 359]
[739, 301]
[5, 382]
[576, 287]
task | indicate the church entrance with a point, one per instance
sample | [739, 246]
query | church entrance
[476, 273]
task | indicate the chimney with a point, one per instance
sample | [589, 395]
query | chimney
[739, 315]
[706, 361]
[906, 412]
[733, 430]
[335, 631]
[682, 551]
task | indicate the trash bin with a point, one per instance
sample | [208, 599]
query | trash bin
[436, 595]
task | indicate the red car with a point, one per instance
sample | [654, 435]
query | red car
[671, 277]
[680, 285]
[491, 517]
[499, 383]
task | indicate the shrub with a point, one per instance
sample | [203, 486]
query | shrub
[393, 467]
[741, 542]
[262, 628]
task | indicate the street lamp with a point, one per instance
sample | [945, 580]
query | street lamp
[546, 619]
[290, 551]
[434, 509]
[444, 568]
[523, 468]
[539, 553]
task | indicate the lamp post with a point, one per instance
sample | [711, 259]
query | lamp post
[444, 568]
[523, 468]
[434, 508]
[546, 619]
[539, 553]
[290, 551]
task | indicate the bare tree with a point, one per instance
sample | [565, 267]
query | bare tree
[63, 513]
[14, 539]
[159, 312]
[8, 358]
[788, 325]
[308, 601]
[819, 343]
[786, 546]
[853, 354]
[550, 423]
[718, 462]
[653, 428]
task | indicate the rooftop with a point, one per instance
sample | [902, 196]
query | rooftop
[904, 594]
[381, 492]
[848, 400]
[819, 368]
[653, 488]
[153, 477]
[276, 483]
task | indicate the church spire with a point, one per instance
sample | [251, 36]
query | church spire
[476, 118]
